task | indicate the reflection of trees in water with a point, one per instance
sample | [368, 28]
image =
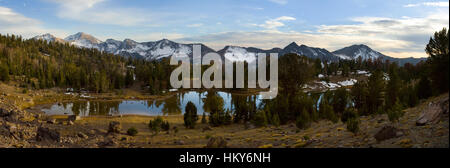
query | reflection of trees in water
[85, 108]
[213, 102]
[172, 106]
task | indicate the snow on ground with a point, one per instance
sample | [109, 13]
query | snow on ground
[320, 76]
[349, 82]
[360, 72]
[344, 57]
[331, 85]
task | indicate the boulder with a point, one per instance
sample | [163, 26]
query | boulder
[433, 112]
[216, 142]
[44, 134]
[387, 132]
[114, 127]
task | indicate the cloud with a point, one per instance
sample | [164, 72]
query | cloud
[15, 23]
[281, 2]
[273, 24]
[144, 37]
[403, 37]
[432, 4]
[96, 12]
[195, 25]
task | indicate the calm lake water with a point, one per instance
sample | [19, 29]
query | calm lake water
[174, 105]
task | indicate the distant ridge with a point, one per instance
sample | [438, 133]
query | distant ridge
[155, 50]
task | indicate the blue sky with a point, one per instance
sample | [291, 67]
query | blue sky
[397, 28]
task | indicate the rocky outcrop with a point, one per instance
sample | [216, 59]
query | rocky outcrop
[433, 112]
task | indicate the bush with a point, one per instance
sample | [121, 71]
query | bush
[4, 73]
[132, 131]
[303, 121]
[348, 114]
[353, 125]
[259, 119]
[395, 112]
[326, 111]
[165, 126]
[190, 115]
[276, 120]
[157, 124]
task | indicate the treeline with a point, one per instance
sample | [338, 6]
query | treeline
[38, 64]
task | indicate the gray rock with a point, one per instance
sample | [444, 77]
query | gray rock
[44, 134]
[387, 132]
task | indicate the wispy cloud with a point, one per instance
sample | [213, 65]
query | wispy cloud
[15, 23]
[433, 4]
[95, 11]
[281, 2]
[273, 24]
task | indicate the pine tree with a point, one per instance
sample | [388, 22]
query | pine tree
[190, 115]
[438, 50]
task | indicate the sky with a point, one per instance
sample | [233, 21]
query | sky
[398, 28]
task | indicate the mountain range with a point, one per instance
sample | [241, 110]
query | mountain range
[156, 50]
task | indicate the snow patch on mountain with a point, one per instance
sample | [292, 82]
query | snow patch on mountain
[239, 54]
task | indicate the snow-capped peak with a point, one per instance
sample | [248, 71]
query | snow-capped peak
[83, 40]
[48, 37]
[356, 51]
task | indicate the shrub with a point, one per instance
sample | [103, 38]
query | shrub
[303, 121]
[157, 124]
[259, 119]
[276, 120]
[132, 131]
[165, 125]
[4, 73]
[395, 112]
[326, 111]
[353, 125]
[190, 115]
[348, 114]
